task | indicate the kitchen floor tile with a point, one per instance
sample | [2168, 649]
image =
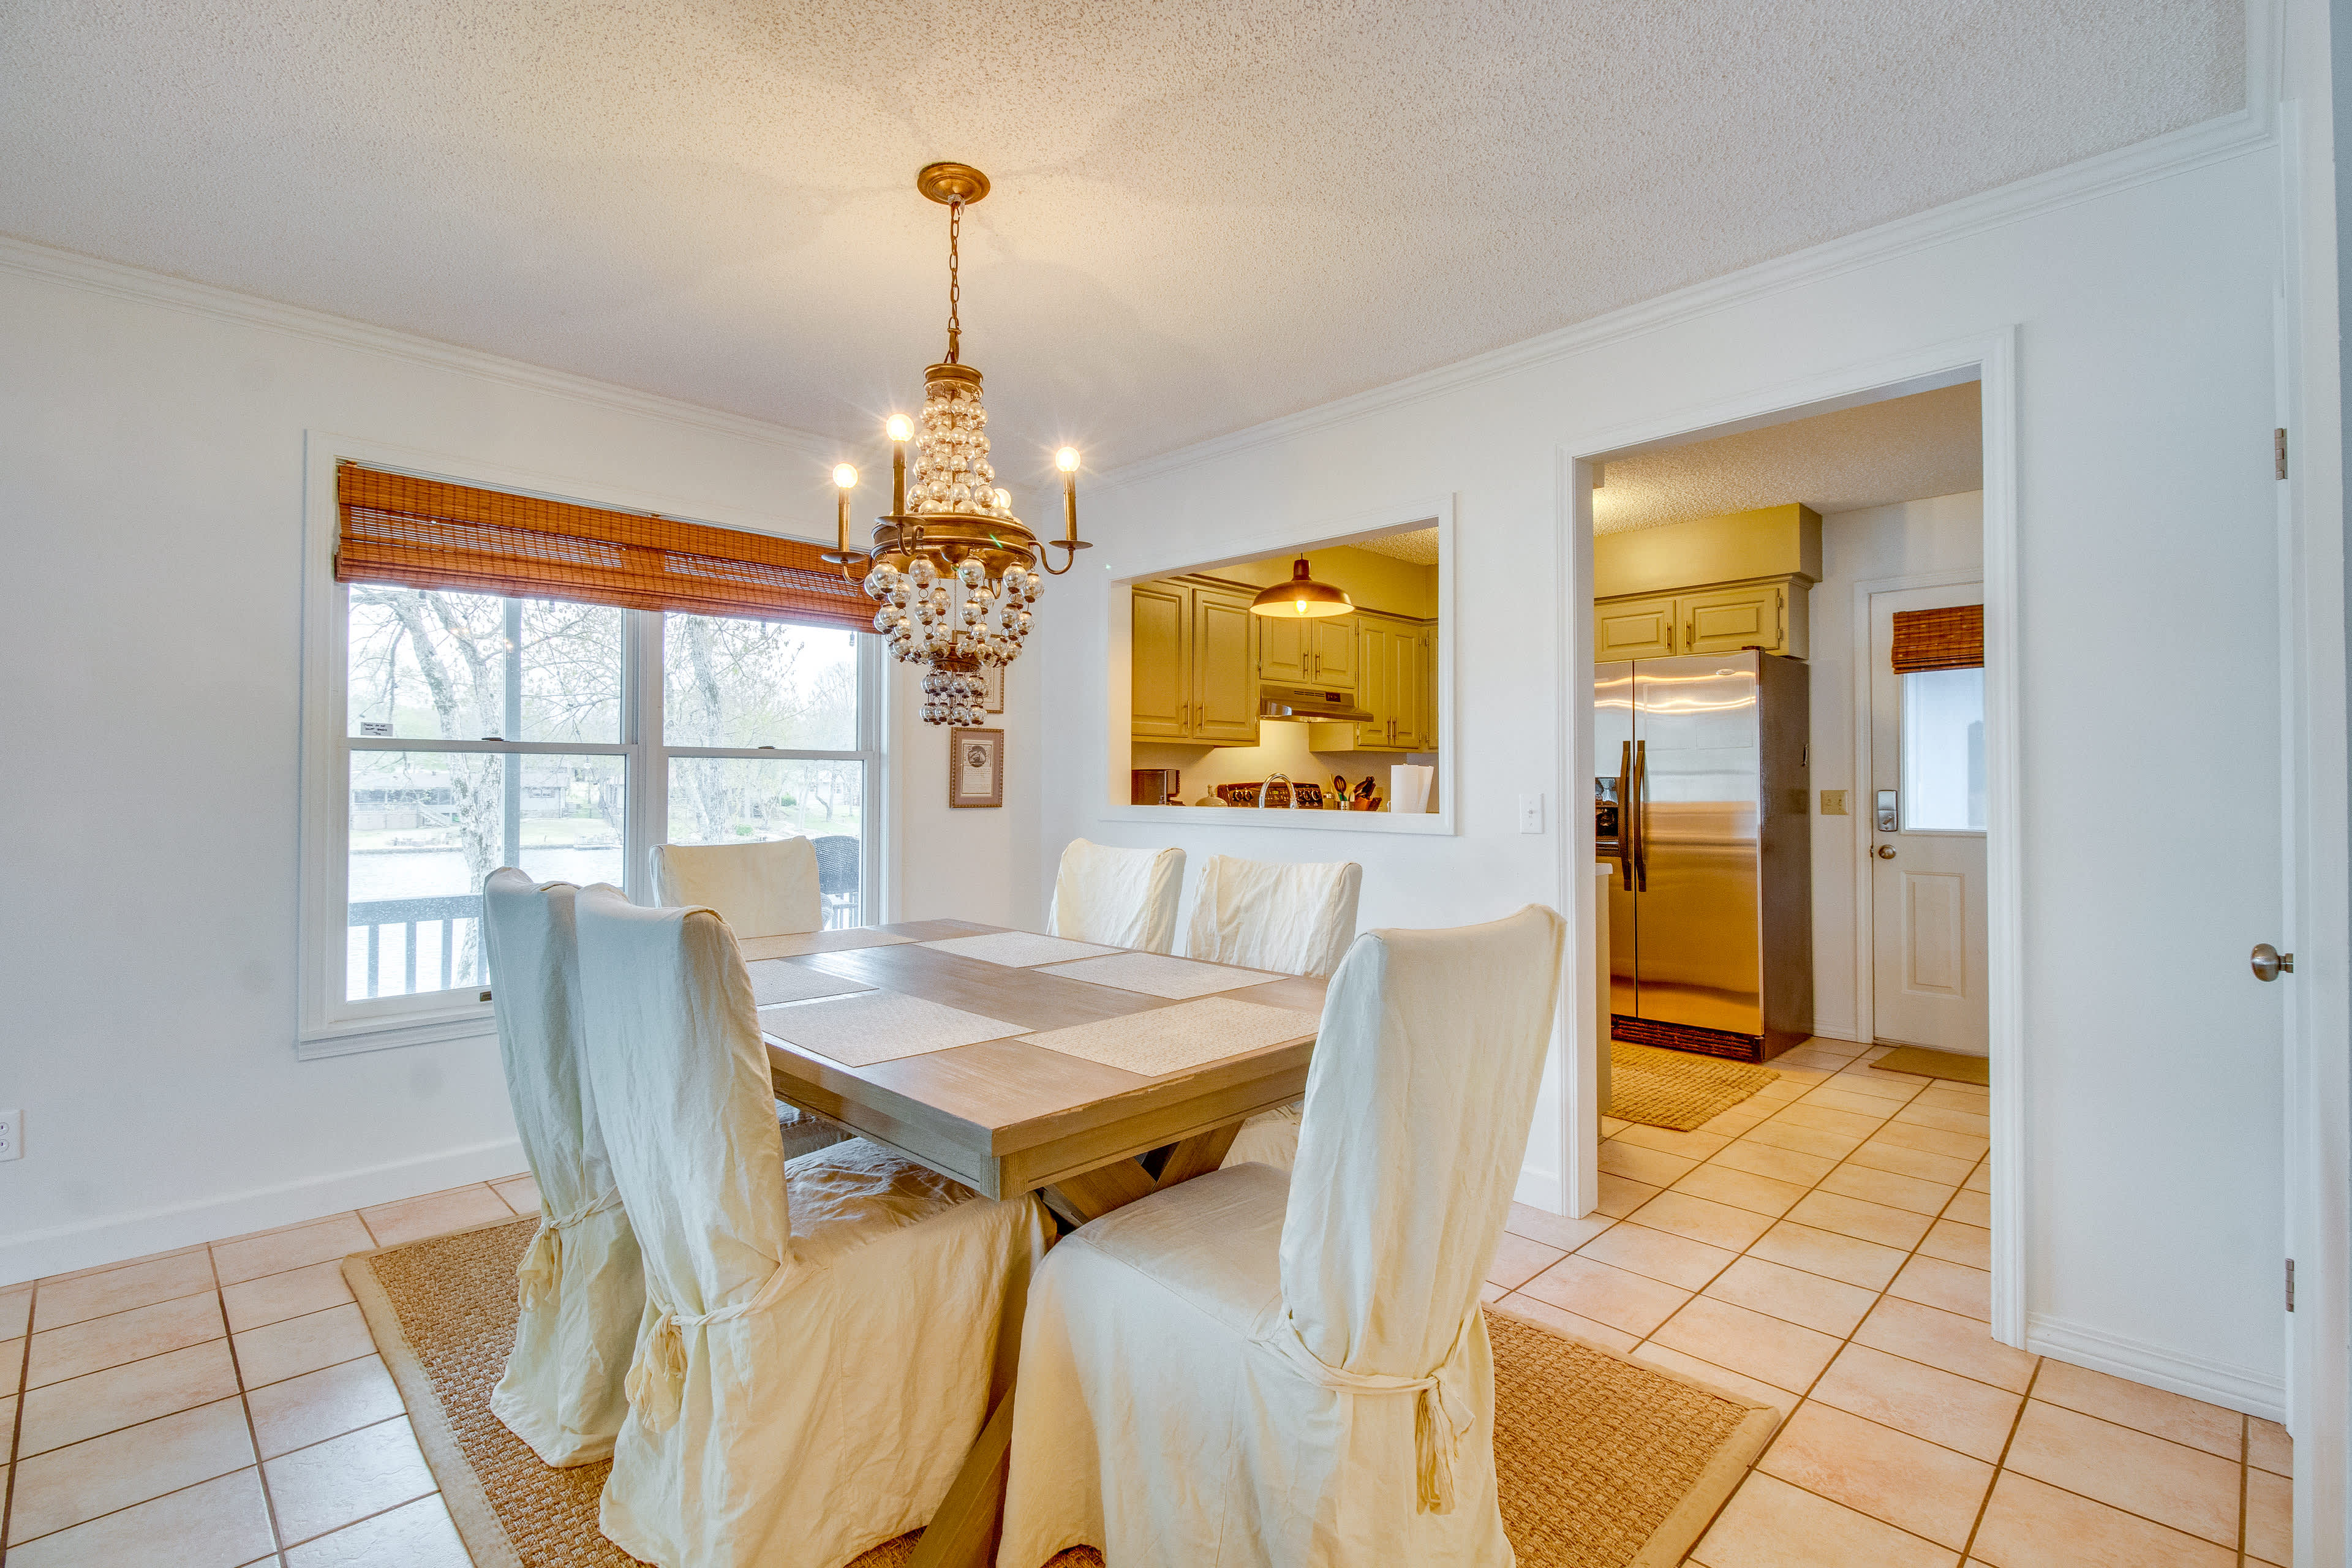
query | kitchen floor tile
[1554, 1229]
[1518, 1261]
[1832, 1098]
[1941, 1406]
[1934, 1140]
[1690, 1145]
[2268, 1447]
[101, 1343]
[1887, 1188]
[1721, 1378]
[302, 1345]
[114, 1290]
[414, 1535]
[520, 1193]
[1823, 1118]
[1945, 1339]
[1951, 1286]
[219, 1524]
[1717, 1225]
[1791, 1295]
[2028, 1524]
[274, 1251]
[329, 1485]
[1620, 1198]
[97, 1402]
[1970, 1208]
[1940, 1169]
[1955, 1243]
[1623, 1300]
[1825, 1252]
[1889, 1474]
[274, 1298]
[1655, 1166]
[2135, 1404]
[1974, 1122]
[2269, 1517]
[435, 1213]
[1784, 1355]
[1857, 1218]
[2186, 1488]
[67, 1486]
[1659, 1254]
[1781, 1164]
[15, 1312]
[321, 1405]
[1561, 1321]
[1782, 1134]
[1979, 1179]
[1770, 1524]
[1740, 1189]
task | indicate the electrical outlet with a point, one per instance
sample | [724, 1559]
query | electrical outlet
[1832, 803]
[1531, 814]
[12, 1134]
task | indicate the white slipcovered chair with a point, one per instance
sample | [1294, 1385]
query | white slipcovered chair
[821, 1340]
[1117, 897]
[581, 1288]
[1245, 1370]
[758, 889]
[1292, 918]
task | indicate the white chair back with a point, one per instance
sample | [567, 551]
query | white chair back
[1260, 914]
[534, 954]
[1117, 897]
[675, 1057]
[1424, 1075]
[758, 889]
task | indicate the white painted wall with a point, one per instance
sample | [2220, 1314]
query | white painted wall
[2141, 298]
[1943, 534]
[151, 498]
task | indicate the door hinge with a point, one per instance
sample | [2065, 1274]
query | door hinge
[2290, 1284]
[2278, 448]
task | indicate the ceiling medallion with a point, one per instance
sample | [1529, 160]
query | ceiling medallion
[954, 572]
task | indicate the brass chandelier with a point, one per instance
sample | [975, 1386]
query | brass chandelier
[955, 574]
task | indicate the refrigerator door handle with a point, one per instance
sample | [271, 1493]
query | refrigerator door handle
[1625, 815]
[1641, 817]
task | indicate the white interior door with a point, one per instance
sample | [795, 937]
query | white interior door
[1925, 806]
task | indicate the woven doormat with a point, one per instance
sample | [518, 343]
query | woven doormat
[1676, 1088]
[1603, 1462]
[1954, 1065]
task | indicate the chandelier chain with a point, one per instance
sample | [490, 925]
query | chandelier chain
[955, 283]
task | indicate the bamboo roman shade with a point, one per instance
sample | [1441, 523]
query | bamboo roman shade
[1948, 638]
[425, 533]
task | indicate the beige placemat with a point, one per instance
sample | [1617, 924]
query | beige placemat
[1155, 975]
[878, 1027]
[1019, 949]
[1600, 1462]
[1172, 1040]
[800, 944]
[775, 980]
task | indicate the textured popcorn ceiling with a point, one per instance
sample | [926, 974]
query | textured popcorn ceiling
[1904, 448]
[1207, 212]
[1420, 546]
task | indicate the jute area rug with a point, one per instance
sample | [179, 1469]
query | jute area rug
[1603, 1462]
[1678, 1090]
[1953, 1065]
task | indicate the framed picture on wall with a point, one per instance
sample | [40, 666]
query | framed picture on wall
[992, 688]
[975, 767]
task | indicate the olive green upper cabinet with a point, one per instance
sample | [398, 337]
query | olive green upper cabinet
[1194, 664]
[1714, 585]
[1635, 628]
[1319, 652]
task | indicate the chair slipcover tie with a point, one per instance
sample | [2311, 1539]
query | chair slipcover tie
[657, 1376]
[1441, 1412]
[542, 1266]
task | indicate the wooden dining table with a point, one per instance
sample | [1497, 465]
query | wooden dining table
[1007, 1115]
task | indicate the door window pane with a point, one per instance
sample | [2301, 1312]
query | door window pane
[427, 826]
[427, 663]
[742, 800]
[1943, 751]
[758, 683]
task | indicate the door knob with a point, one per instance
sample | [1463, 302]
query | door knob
[1887, 852]
[2268, 963]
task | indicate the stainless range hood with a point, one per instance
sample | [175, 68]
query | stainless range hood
[1311, 703]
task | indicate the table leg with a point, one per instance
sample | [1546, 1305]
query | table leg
[1199, 1154]
[964, 1531]
[1094, 1194]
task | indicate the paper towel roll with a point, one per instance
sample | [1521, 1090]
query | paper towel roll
[1409, 786]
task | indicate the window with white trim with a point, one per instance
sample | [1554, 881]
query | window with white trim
[475, 730]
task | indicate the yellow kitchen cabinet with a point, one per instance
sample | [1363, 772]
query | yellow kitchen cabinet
[1396, 683]
[1635, 628]
[1319, 652]
[1770, 613]
[1195, 653]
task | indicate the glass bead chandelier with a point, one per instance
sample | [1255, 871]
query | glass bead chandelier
[955, 574]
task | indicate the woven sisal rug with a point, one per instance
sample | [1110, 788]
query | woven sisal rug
[1603, 1462]
[1678, 1090]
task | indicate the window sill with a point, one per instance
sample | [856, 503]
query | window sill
[1432, 824]
[472, 1021]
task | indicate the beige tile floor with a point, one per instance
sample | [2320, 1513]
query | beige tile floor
[1820, 1248]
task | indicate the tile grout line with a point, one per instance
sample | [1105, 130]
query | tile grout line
[2001, 1465]
[252, 1431]
[2245, 1451]
[17, 1422]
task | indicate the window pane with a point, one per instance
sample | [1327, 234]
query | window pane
[1943, 750]
[758, 683]
[737, 800]
[426, 828]
[443, 665]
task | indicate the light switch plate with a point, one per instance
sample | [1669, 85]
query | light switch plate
[12, 1134]
[1531, 814]
[1832, 803]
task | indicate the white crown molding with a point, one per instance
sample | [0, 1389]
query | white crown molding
[148, 288]
[2230, 136]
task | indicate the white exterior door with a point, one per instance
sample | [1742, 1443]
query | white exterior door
[1925, 806]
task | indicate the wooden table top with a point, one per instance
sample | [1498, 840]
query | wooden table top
[1005, 1115]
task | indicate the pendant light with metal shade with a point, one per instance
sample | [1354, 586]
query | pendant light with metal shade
[1301, 598]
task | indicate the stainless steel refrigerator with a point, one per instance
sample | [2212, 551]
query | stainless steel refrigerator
[1703, 801]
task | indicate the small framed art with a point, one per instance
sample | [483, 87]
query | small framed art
[975, 767]
[992, 680]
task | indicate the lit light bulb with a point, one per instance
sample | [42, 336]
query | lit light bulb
[1299, 606]
[843, 475]
[898, 427]
[1066, 459]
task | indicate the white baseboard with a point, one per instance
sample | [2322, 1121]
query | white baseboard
[1541, 1189]
[2224, 1384]
[1833, 1028]
[63, 1248]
